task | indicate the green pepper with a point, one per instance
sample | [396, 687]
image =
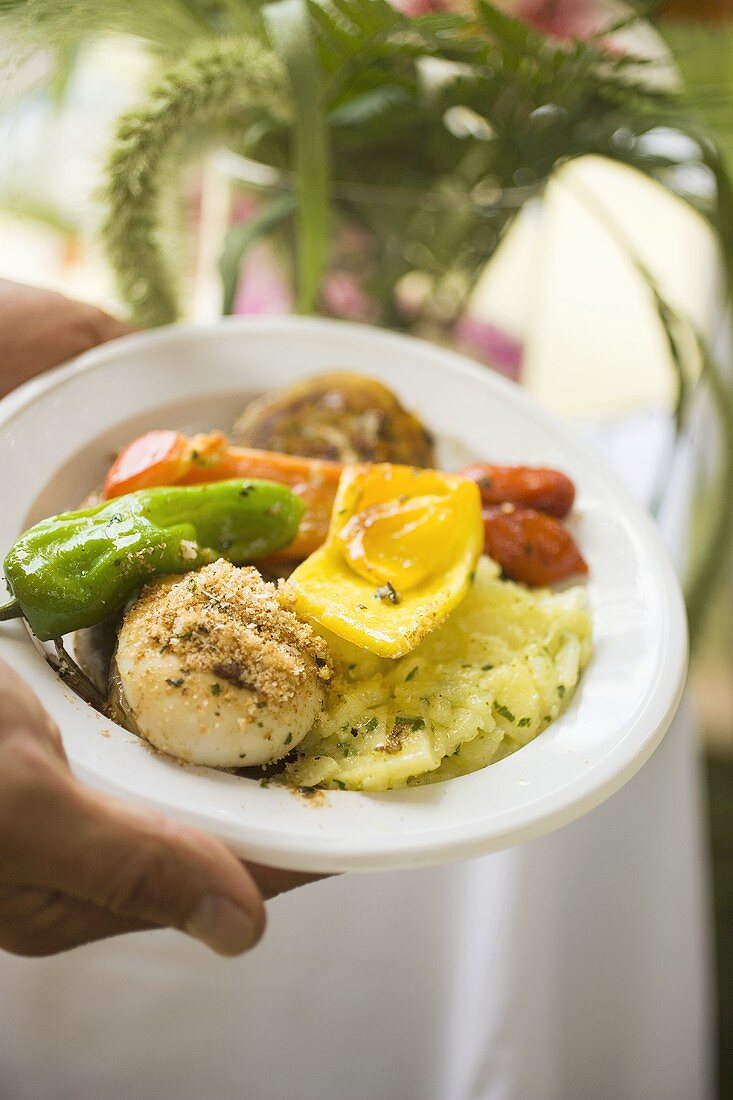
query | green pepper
[72, 570]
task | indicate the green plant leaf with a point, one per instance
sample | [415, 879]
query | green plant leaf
[289, 26]
[240, 239]
[518, 35]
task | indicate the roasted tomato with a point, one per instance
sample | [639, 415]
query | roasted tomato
[531, 546]
[526, 486]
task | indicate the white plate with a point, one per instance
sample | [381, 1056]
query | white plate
[57, 435]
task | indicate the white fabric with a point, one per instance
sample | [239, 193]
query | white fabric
[573, 967]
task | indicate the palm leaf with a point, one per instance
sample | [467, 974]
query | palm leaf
[290, 31]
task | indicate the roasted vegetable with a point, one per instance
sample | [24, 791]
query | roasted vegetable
[398, 559]
[157, 458]
[168, 458]
[72, 570]
[527, 486]
[530, 546]
[342, 416]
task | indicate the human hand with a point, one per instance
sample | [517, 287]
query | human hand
[76, 866]
[40, 329]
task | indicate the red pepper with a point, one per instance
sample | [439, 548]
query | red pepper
[526, 486]
[169, 458]
[530, 546]
[156, 458]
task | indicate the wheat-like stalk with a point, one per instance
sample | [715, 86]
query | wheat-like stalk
[207, 97]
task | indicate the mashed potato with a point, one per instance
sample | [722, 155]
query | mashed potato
[504, 665]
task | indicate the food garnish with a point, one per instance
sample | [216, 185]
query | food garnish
[401, 548]
[74, 569]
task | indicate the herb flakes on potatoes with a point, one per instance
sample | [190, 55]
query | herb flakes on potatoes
[493, 676]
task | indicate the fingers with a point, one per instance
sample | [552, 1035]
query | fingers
[135, 865]
[104, 327]
[20, 709]
[40, 329]
[76, 327]
[37, 923]
[127, 868]
[272, 881]
[141, 867]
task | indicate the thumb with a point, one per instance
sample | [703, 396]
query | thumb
[142, 867]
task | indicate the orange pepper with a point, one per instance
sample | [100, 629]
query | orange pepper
[170, 458]
[156, 458]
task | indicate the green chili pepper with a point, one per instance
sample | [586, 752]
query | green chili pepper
[72, 570]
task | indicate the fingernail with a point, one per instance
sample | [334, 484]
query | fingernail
[222, 926]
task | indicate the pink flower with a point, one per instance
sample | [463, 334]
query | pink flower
[343, 297]
[425, 7]
[263, 289]
[490, 345]
[563, 19]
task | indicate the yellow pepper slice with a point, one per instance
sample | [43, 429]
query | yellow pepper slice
[402, 545]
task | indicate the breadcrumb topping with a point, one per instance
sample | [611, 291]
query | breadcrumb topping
[231, 623]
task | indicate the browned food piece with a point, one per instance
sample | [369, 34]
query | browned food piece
[341, 416]
[535, 487]
[531, 546]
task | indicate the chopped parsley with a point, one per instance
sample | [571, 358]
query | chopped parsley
[370, 725]
[216, 689]
[413, 723]
[175, 683]
[486, 668]
[524, 722]
[561, 690]
[388, 594]
[504, 712]
[411, 674]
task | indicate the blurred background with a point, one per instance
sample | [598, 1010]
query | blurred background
[561, 306]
